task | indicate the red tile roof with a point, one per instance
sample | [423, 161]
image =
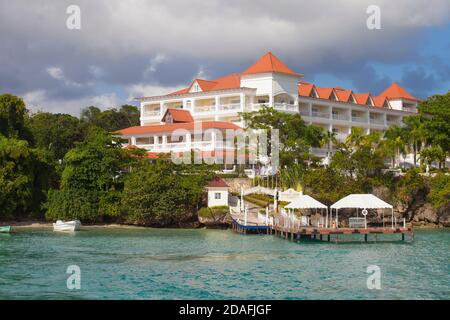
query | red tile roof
[179, 115]
[305, 89]
[182, 91]
[343, 95]
[217, 183]
[380, 101]
[324, 93]
[232, 81]
[270, 63]
[362, 98]
[172, 127]
[396, 91]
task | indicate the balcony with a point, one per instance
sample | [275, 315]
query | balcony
[207, 145]
[305, 113]
[286, 107]
[340, 116]
[204, 109]
[378, 121]
[359, 119]
[152, 113]
[232, 107]
[318, 114]
[319, 152]
[393, 122]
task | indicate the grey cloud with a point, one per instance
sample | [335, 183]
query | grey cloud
[121, 37]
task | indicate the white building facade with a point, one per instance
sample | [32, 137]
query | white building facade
[270, 82]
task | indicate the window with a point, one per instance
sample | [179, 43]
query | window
[217, 195]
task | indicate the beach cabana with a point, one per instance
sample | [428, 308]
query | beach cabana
[361, 202]
[303, 201]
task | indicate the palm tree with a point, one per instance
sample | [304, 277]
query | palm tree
[329, 139]
[416, 133]
[355, 137]
[395, 139]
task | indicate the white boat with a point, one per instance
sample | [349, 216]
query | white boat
[73, 225]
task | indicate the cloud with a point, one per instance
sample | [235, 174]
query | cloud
[39, 101]
[143, 90]
[137, 45]
[58, 74]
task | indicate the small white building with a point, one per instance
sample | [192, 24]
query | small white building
[217, 193]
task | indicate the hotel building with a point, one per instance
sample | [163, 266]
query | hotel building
[216, 104]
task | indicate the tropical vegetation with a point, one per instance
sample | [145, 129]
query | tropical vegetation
[58, 166]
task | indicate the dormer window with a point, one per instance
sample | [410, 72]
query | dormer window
[196, 88]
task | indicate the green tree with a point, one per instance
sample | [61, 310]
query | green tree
[329, 139]
[111, 119]
[436, 116]
[415, 133]
[360, 156]
[91, 180]
[432, 154]
[55, 132]
[394, 143]
[25, 176]
[12, 117]
[439, 194]
[163, 194]
[296, 138]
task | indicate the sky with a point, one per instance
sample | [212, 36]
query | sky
[131, 48]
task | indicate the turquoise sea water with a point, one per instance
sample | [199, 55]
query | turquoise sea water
[217, 264]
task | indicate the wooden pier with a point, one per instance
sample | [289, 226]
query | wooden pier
[340, 234]
[251, 227]
[374, 234]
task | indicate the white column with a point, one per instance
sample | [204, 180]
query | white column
[188, 141]
[213, 140]
[385, 119]
[310, 109]
[193, 101]
[217, 108]
[161, 110]
[155, 142]
[133, 141]
[271, 100]
[164, 141]
[242, 96]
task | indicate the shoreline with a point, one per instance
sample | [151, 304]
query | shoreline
[40, 224]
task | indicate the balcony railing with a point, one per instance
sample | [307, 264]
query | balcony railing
[286, 107]
[204, 109]
[318, 114]
[305, 113]
[230, 107]
[319, 152]
[377, 121]
[391, 122]
[359, 119]
[152, 113]
[185, 146]
[340, 116]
